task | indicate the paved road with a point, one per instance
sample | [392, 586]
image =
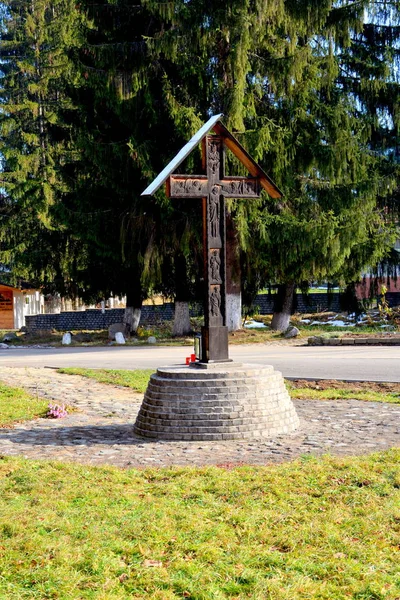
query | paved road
[334, 362]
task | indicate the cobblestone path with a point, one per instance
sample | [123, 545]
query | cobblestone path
[100, 431]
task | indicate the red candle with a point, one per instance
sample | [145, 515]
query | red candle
[188, 360]
[192, 358]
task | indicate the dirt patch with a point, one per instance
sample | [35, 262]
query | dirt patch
[265, 336]
[353, 386]
[378, 334]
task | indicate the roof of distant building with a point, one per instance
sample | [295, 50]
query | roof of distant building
[23, 286]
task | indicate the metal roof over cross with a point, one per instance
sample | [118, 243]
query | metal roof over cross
[213, 187]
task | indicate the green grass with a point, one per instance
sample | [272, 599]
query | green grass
[16, 405]
[340, 394]
[320, 330]
[137, 380]
[315, 528]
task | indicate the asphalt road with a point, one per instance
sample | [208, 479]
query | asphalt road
[375, 363]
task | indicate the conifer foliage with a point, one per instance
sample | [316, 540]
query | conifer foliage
[38, 45]
[97, 97]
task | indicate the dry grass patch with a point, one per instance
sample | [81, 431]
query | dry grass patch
[331, 389]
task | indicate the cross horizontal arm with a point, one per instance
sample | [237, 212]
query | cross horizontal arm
[187, 186]
[240, 187]
[197, 186]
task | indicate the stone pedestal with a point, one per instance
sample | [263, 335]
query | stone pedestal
[224, 401]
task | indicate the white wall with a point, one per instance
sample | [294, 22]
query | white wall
[26, 303]
[52, 304]
[19, 317]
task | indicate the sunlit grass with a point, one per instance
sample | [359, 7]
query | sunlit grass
[344, 390]
[136, 380]
[340, 394]
[315, 528]
[17, 405]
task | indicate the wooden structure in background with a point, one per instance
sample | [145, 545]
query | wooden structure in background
[16, 303]
[6, 307]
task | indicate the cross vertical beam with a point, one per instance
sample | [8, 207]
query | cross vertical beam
[213, 187]
[215, 330]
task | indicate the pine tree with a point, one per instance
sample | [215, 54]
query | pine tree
[125, 115]
[326, 114]
[38, 44]
[311, 83]
[79, 105]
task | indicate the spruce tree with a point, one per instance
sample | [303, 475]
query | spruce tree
[312, 86]
[80, 104]
[326, 109]
[309, 83]
[39, 42]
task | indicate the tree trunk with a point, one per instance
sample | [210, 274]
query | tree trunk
[181, 324]
[181, 319]
[133, 310]
[234, 311]
[131, 319]
[283, 307]
[233, 279]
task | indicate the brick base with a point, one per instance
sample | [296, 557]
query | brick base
[222, 402]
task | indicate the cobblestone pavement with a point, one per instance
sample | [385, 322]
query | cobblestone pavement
[100, 431]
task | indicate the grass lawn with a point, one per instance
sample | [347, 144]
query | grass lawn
[341, 394]
[16, 405]
[316, 528]
[326, 529]
[137, 380]
[374, 392]
[342, 390]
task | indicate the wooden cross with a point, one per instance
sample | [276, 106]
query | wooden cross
[213, 187]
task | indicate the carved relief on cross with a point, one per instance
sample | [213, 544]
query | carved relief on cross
[213, 187]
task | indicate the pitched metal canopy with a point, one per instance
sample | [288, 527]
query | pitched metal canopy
[215, 124]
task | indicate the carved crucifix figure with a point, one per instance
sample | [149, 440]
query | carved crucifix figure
[215, 267]
[213, 187]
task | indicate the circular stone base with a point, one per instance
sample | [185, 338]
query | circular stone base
[219, 401]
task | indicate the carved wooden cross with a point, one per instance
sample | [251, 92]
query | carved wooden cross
[213, 187]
